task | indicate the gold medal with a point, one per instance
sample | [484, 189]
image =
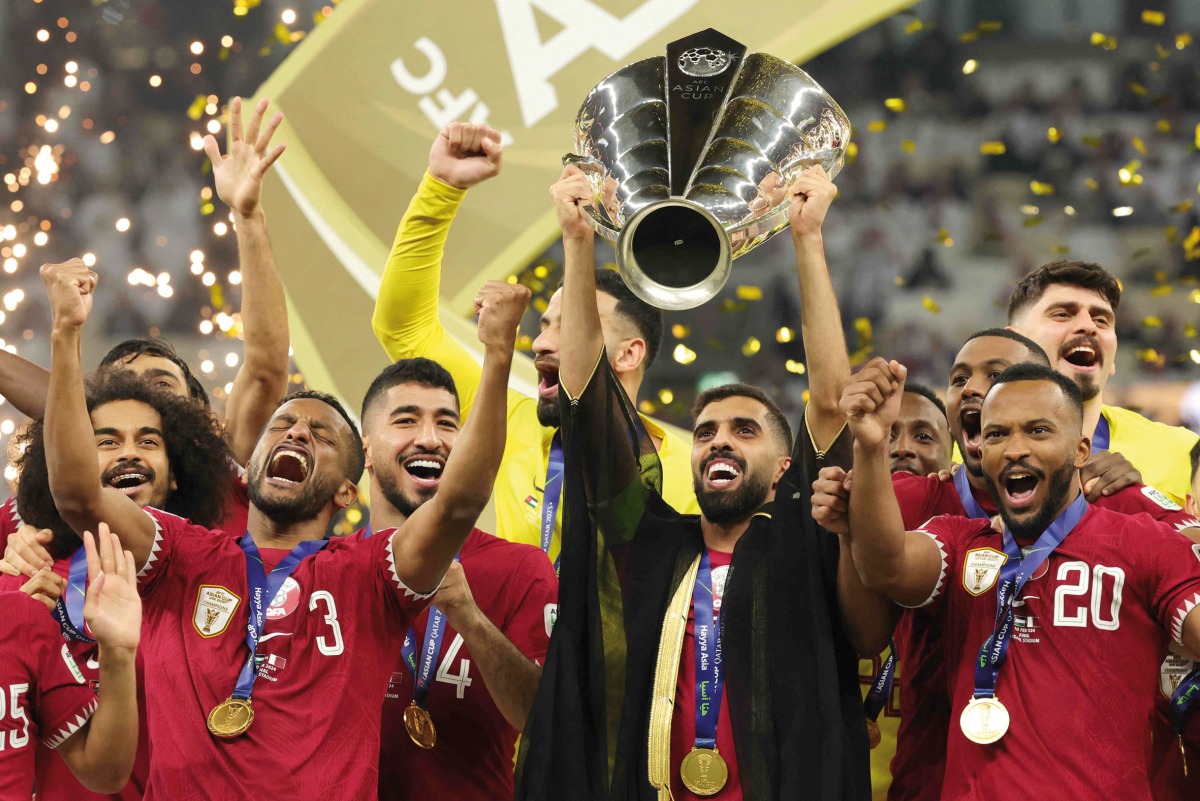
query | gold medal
[231, 718]
[873, 735]
[703, 771]
[984, 721]
[419, 726]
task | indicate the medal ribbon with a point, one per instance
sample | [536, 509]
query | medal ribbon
[435, 630]
[1100, 439]
[881, 690]
[709, 683]
[1013, 574]
[68, 610]
[552, 494]
[263, 589]
[962, 483]
[1185, 695]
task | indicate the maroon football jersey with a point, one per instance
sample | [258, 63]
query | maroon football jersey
[326, 653]
[515, 587]
[10, 521]
[926, 716]
[1080, 681]
[43, 694]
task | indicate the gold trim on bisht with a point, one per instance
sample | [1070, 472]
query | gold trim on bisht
[666, 676]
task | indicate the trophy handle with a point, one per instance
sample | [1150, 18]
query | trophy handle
[594, 167]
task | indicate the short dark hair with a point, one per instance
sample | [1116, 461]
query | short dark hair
[647, 319]
[130, 349]
[1084, 274]
[1195, 460]
[201, 463]
[420, 371]
[1029, 371]
[1035, 350]
[778, 422]
[928, 394]
[356, 459]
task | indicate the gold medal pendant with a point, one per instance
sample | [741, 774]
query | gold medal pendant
[231, 718]
[419, 726]
[874, 737]
[703, 771]
[984, 721]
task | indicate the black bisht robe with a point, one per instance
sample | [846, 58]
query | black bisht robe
[792, 676]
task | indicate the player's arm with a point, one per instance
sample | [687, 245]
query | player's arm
[406, 319]
[263, 377]
[582, 339]
[23, 384]
[820, 319]
[436, 531]
[903, 565]
[81, 499]
[101, 753]
[510, 676]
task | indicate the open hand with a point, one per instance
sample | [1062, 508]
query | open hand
[238, 176]
[112, 608]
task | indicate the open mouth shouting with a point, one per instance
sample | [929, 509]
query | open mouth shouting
[130, 479]
[722, 472]
[971, 428]
[1082, 353]
[547, 370]
[1018, 484]
[425, 468]
[289, 466]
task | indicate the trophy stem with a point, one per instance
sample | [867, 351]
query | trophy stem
[674, 254]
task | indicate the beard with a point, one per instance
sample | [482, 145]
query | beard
[547, 412]
[727, 506]
[389, 485]
[289, 511]
[1058, 487]
[1087, 387]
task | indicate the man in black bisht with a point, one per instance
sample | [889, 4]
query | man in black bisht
[646, 693]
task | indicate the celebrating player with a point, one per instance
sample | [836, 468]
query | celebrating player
[48, 701]
[656, 608]
[406, 322]
[470, 664]
[1038, 617]
[1070, 308]
[309, 729]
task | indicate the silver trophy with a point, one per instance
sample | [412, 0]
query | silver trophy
[691, 157]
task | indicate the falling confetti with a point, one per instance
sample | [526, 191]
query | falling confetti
[1153, 17]
[1041, 188]
[930, 305]
[994, 148]
[745, 292]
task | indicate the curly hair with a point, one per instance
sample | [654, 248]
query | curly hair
[199, 457]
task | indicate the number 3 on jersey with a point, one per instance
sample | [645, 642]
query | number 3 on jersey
[461, 680]
[1075, 578]
[331, 645]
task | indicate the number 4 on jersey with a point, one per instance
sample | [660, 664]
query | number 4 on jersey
[460, 680]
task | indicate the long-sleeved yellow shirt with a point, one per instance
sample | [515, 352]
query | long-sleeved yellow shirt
[407, 325]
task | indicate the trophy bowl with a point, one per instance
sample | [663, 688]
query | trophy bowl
[691, 156]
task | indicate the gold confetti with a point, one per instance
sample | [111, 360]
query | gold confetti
[683, 354]
[1104, 41]
[862, 327]
[1091, 183]
[1163, 126]
[992, 148]
[908, 146]
[931, 305]
[899, 280]
[1194, 296]
[680, 331]
[647, 407]
[1139, 145]
[1172, 234]
[745, 292]
[970, 66]
[1030, 210]
[1090, 141]
[990, 26]
[196, 110]
[751, 347]
[666, 395]
[852, 152]
[969, 36]
[944, 238]
[794, 366]
[1033, 222]
[732, 306]
[1193, 238]
[524, 342]
[1041, 188]
[1159, 291]
[1137, 88]
[1183, 40]
[1128, 174]
[1059, 250]
[785, 334]
[1198, 136]
[1151, 356]
[913, 27]
[1153, 17]
[1161, 51]
[1181, 208]
[1053, 135]
[895, 104]
[876, 126]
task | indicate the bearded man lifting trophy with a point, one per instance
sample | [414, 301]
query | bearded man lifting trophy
[691, 155]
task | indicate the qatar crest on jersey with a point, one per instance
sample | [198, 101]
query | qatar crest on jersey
[285, 601]
[981, 568]
[215, 606]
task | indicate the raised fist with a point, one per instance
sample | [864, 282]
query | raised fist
[465, 154]
[571, 192]
[871, 401]
[70, 286]
[811, 194]
[500, 305]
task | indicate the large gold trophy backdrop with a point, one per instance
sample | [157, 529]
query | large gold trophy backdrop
[366, 92]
